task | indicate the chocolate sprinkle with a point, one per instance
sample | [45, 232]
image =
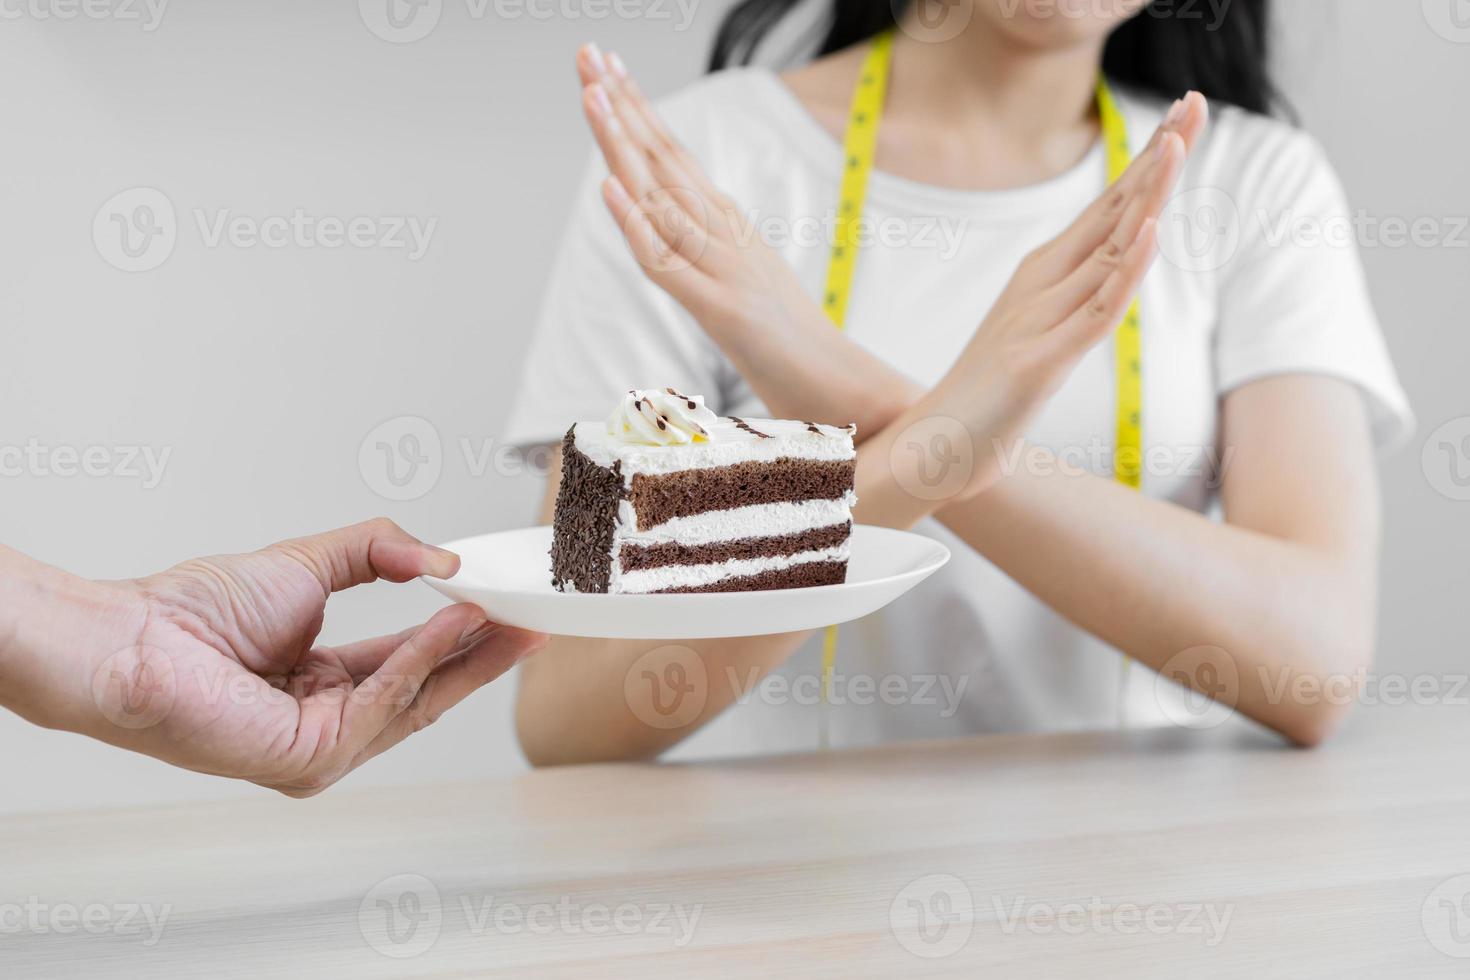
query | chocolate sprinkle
[586, 518]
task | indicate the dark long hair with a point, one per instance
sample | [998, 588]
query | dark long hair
[1163, 50]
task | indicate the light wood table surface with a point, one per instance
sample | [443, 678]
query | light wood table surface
[1137, 854]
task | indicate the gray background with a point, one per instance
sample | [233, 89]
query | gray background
[262, 370]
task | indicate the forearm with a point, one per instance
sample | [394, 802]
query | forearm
[56, 631]
[1154, 580]
[586, 700]
[812, 372]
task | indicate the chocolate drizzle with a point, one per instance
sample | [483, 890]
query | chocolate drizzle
[745, 426]
[687, 400]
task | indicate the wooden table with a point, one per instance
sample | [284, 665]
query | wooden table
[1133, 854]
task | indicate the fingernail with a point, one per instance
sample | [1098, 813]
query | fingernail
[1174, 111]
[441, 563]
[594, 55]
[617, 66]
[601, 101]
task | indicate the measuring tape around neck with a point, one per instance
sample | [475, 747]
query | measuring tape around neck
[858, 148]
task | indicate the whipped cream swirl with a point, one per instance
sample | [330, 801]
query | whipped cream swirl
[660, 418]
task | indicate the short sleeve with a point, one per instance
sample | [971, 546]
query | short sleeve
[603, 328]
[1294, 297]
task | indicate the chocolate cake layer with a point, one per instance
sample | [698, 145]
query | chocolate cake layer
[796, 577]
[661, 497]
[633, 557]
[586, 520]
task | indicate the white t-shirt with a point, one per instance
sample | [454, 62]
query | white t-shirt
[1255, 279]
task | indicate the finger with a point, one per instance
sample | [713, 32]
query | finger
[657, 228]
[1193, 117]
[1059, 301]
[591, 66]
[668, 174]
[365, 657]
[392, 687]
[1055, 260]
[499, 649]
[366, 552]
[644, 122]
[625, 160]
[1187, 118]
[1101, 314]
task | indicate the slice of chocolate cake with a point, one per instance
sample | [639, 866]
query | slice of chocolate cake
[666, 496]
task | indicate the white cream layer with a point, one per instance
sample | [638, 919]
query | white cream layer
[691, 576]
[728, 444]
[753, 521]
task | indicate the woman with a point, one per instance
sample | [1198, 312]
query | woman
[1260, 353]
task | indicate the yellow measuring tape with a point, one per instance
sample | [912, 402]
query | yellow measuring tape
[858, 148]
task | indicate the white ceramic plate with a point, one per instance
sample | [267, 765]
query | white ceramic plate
[509, 576]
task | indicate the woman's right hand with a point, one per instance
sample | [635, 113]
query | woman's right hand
[691, 239]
